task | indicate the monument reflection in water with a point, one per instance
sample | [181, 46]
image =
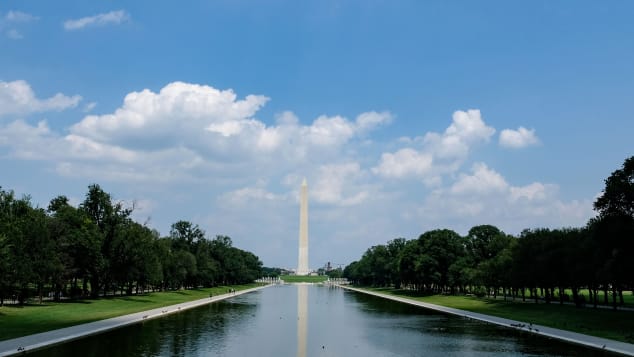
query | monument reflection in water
[302, 319]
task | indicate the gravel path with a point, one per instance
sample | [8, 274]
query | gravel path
[44, 339]
[568, 336]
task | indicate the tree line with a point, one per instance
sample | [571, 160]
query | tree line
[97, 249]
[537, 264]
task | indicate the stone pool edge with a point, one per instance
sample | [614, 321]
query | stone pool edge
[41, 340]
[599, 343]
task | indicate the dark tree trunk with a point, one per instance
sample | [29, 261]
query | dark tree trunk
[39, 292]
[561, 296]
[614, 296]
[84, 287]
[622, 302]
[575, 296]
[94, 287]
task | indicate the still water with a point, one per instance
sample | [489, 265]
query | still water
[312, 320]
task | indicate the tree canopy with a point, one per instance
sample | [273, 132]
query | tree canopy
[96, 249]
[545, 262]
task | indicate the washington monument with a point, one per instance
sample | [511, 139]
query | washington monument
[302, 261]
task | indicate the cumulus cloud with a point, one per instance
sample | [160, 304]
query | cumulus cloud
[17, 97]
[336, 184]
[466, 129]
[403, 163]
[184, 131]
[109, 18]
[220, 125]
[485, 196]
[440, 152]
[30, 142]
[177, 111]
[482, 181]
[517, 139]
[248, 170]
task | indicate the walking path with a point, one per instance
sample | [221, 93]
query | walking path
[49, 338]
[568, 336]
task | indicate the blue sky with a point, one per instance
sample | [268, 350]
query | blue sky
[404, 116]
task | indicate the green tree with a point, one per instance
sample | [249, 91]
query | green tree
[185, 234]
[408, 265]
[394, 249]
[484, 245]
[79, 240]
[614, 231]
[441, 248]
[109, 217]
[618, 196]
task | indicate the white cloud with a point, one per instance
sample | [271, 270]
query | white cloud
[18, 16]
[249, 194]
[109, 18]
[517, 139]
[337, 184]
[17, 97]
[208, 147]
[403, 163]
[14, 21]
[484, 196]
[371, 120]
[220, 126]
[286, 118]
[185, 132]
[89, 107]
[179, 108]
[342, 185]
[469, 127]
[535, 191]
[440, 153]
[14, 34]
[466, 129]
[482, 181]
[30, 142]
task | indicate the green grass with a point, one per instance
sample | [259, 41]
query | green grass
[18, 321]
[303, 279]
[616, 325]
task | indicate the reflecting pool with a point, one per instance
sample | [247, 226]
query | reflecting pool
[313, 320]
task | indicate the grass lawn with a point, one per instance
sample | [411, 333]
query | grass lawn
[303, 278]
[616, 325]
[34, 318]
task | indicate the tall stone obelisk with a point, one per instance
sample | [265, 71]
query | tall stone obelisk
[302, 262]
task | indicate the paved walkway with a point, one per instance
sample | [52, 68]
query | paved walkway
[568, 336]
[45, 339]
